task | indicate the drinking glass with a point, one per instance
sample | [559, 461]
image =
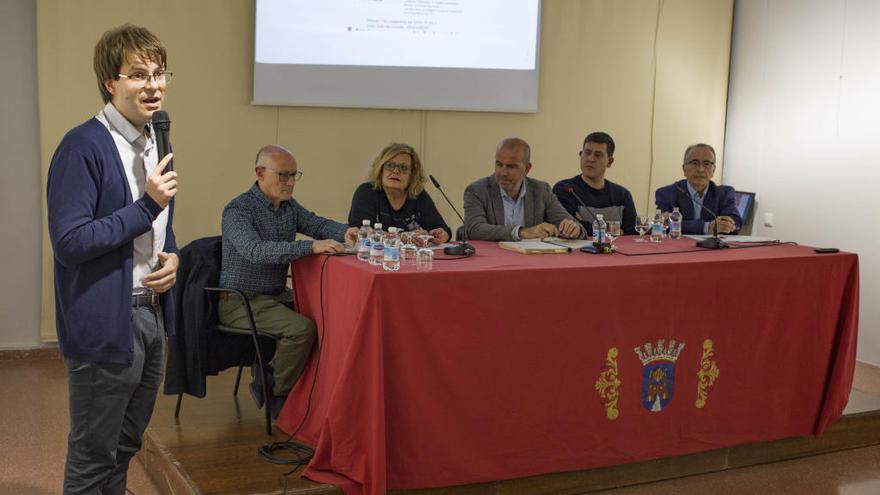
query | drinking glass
[408, 249]
[422, 239]
[425, 255]
[643, 224]
[613, 231]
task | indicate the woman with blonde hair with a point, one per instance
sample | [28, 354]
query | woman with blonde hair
[395, 195]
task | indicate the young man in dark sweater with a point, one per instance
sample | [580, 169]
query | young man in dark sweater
[110, 214]
[590, 193]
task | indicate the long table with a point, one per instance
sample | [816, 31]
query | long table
[507, 365]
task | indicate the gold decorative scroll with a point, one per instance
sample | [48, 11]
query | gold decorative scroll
[707, 374]
[608, 383]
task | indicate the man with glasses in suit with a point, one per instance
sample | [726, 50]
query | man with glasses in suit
[696, 196]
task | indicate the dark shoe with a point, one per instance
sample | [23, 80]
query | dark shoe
[276, 403]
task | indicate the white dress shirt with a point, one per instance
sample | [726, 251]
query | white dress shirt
[139, 156]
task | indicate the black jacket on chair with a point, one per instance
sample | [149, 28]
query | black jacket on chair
[198, 349]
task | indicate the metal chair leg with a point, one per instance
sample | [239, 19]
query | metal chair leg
[177, 408]
[268, 418]
[237, 380]
[268, 398]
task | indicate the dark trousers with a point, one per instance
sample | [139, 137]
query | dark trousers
[110, 407]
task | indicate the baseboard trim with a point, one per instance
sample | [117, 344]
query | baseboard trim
[46, 351]
[867, 378]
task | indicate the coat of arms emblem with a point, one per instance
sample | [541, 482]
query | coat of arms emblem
[658, 372]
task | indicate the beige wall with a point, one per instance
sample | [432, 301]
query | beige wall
[598, 61]
[20, 182]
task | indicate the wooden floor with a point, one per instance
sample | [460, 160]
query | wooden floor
[212, 449]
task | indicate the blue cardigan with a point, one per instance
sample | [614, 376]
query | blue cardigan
[720, 199]
[92, 225]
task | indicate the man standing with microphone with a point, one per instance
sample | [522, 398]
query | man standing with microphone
[110, 214]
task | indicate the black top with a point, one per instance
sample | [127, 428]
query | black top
[610, 195]
[373, 205]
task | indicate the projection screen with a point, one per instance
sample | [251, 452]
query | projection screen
[479, 55]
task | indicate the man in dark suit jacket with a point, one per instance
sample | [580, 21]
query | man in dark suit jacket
[509, 206]
[696, 190]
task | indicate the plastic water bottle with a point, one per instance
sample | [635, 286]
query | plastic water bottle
[377, 245]
[675, 224]
[391, 261]
[657, 226]
[364, 241]
[599, 227]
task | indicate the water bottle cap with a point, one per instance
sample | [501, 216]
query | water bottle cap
[600, 216]
[365, 223]
[392, 230]
[377, 226]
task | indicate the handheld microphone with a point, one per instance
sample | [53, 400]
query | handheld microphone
[570, 189]
[714, 242]
[162, 128]
[462, 248]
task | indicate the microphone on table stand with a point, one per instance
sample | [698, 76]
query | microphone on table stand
[462, 248]
[570, 190]
[713, 242]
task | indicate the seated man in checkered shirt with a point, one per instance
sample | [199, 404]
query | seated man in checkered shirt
[259, 242]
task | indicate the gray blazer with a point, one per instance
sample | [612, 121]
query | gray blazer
[484, 212]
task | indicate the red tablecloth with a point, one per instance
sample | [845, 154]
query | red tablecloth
[507, 365]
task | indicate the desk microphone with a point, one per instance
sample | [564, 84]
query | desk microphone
[162, 128]
[713, 242]
[462, 248]
[570, 189]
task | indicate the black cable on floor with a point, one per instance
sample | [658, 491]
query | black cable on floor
[267, 452]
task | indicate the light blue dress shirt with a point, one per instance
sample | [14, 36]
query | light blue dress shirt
[514, 210]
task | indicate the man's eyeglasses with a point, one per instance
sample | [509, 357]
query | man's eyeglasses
[698, 163]
[286, 176]
[399, 167]
[160, 77]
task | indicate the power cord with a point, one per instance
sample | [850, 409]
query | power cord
[304, 453]
[282, 480]
[730, 247]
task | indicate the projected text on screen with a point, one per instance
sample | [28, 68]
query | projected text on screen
[470, 34]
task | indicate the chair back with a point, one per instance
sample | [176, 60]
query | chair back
[746, 204]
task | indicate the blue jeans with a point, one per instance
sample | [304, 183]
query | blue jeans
[110, 407]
